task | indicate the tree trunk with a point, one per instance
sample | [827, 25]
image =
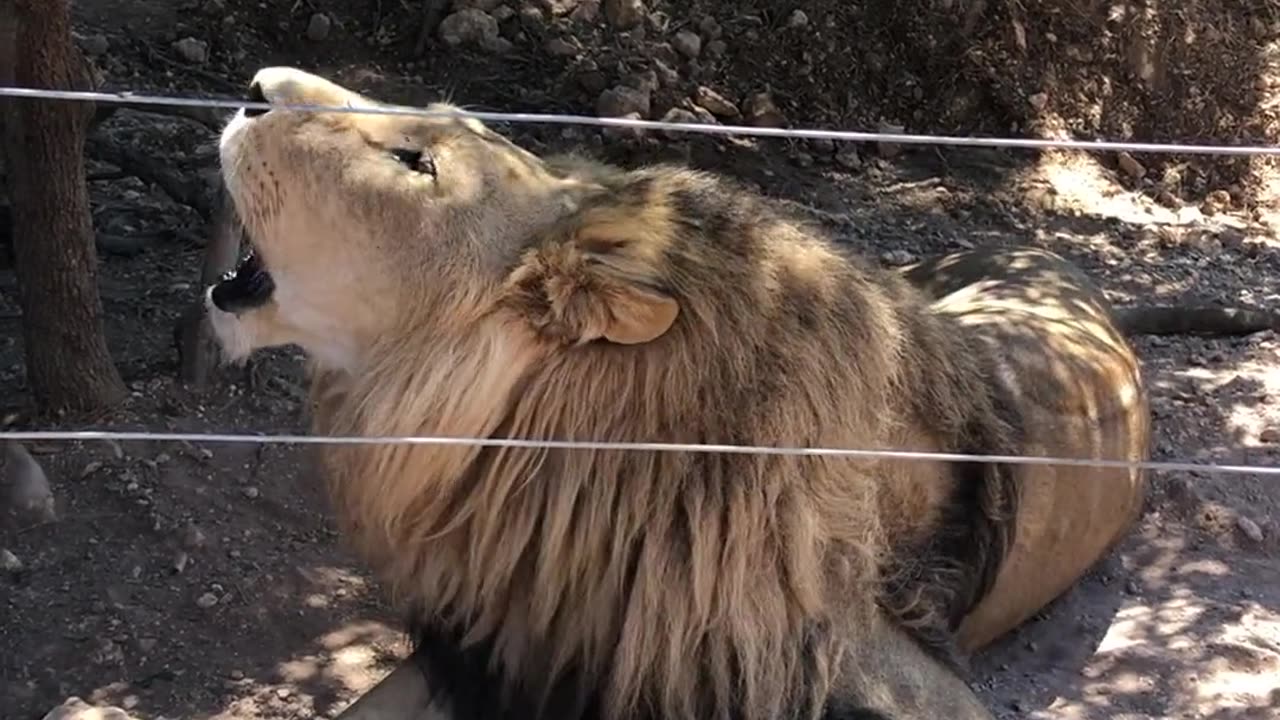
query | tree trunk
[68, 364]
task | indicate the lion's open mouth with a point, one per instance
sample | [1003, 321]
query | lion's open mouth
[246, 287]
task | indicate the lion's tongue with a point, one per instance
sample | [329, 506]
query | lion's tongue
[247, 287]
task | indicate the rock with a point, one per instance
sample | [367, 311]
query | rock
[318, 27]
[559, 7]
[95, 45]
[717, 48]
[802, 159]
[1249, 528]
[623, 14]
[897, 257]
[76, 709]
[472, 26]
[503, 13]
[587, 11]
[1216, 202]
[715, 102]
[627, 133]
[26, 488]
[678, 115]
[710, 28]
[823, 146]
[622, 100]
[192, 50]
[762, 112]
[206, 601]
[887, 149]
[9, 563]
[704, 115]
[667, 75]
[593, 81]
[646, 81]
[252, 492]
[559, 47]
[687, 43]
[848, 158]
[1271, 436]
[1038, 101]
[193, 538]
[481, 5]
[797, 19]
[1131, 166]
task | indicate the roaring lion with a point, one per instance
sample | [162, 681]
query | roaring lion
[445, 282]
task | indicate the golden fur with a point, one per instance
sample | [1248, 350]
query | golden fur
[514, 296]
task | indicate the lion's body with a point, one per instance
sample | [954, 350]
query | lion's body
[507, 296]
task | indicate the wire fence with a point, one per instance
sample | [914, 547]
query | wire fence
[134, 99]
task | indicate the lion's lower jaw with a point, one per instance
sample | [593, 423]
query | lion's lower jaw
[234, 339]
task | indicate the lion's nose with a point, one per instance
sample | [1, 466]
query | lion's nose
[256, 96]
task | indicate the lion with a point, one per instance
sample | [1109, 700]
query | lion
[444, 281]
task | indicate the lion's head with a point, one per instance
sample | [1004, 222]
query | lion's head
[446, 282]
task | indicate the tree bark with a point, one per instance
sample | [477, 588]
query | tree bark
[68, 364]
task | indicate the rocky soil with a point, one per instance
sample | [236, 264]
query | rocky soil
[204, 580]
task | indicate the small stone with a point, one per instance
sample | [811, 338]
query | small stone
[710, 28]
[90, 469]
[715, 102]
[622, 100]
[283, 693]
[9, 562]
[206, 601]
[587, 11]
[252, 492]
[1271, 436]
[147, 644]
[717, 48]
[559, 47]
[559, 7]
[593, 81]
[1038, 101]
[678, 115]
[469, 25]
[888, 150]
[180, 562]
[687, 43]
[1216, 202]
[193, 538]
[95, 45]
[667, 75]
[802, 159]
[797, 19]
[823, 146]
[1131, 587]
[192, 50]
[624, 132]
[623, 14]
[318, 27]
[762, 112]
[646, 81]
[848, 158]
[76, 709]
[1249, 528]
[1131, 166]
[897, 257]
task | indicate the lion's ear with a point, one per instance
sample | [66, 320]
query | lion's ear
[637, 315]
[582, 292]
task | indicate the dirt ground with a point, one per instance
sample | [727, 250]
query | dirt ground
[202, 581]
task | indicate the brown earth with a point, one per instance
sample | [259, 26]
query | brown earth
[204, 580]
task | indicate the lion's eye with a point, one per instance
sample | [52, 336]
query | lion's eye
[416, 160]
